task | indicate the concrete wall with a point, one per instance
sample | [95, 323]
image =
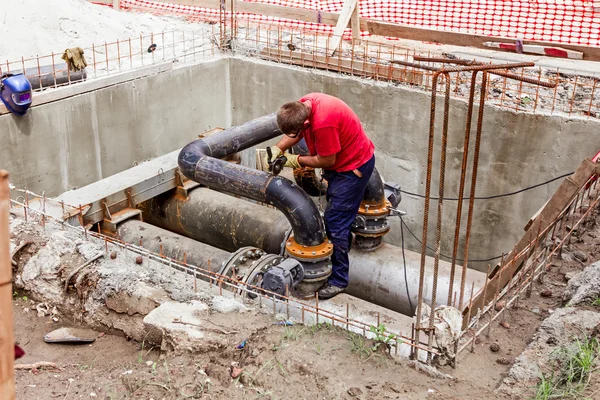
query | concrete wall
[76, 141]
[517, 150]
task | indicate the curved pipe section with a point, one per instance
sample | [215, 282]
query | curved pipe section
[374, 193]
[201, 162]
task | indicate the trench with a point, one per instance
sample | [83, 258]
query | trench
[157, 115]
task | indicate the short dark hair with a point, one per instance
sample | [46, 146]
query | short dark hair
[291, 117]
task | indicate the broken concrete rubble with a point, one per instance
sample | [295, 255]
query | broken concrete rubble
[583, 287]
[555, 331]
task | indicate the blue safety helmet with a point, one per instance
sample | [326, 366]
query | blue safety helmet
[15, 92]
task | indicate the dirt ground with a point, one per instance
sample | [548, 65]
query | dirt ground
[277, 362]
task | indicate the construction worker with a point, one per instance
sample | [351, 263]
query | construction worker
[337, 143]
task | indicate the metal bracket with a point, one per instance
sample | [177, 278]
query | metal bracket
[130, 201]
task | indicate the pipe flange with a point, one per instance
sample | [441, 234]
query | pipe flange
[240, 261]
[374, 230]
[254, 276]
[312, 253]
[375, 210]
[317, 270]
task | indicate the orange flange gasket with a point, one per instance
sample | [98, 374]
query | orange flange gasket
[375, 210]
[322, 250]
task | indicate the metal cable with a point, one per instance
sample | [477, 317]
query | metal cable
[404, 262]
[496, 196]
[445, 255]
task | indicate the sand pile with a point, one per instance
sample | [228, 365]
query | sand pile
[32, 27]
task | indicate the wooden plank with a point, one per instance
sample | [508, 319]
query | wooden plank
[464, 39]
[346, 14]
[355, 22]
[49, 96]
[7, 340]
[359, 68]
[116, 4]
[557, 203]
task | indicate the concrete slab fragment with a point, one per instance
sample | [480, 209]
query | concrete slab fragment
[175, 325]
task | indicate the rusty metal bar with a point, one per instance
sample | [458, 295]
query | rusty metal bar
[461, 189]
[7, 351]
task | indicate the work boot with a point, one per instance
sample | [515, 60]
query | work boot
[328, 291]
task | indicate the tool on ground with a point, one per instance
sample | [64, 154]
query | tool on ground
[276, 165]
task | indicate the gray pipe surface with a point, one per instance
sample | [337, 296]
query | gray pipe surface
[229, 223]
[173, 245]
[378, 277]
[219, 220]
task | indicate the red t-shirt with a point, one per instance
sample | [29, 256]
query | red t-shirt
[335, 129]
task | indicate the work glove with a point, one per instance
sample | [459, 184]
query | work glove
[292, 160]
[74, 58]
[275, 152]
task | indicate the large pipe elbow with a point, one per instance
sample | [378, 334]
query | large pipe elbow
[200, 162]
[303, 215]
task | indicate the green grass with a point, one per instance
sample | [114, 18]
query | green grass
[574, 365]
[596, 302]
[545, 389]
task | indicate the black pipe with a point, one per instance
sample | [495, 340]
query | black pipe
[374, 193]
[51, 75]
[200, 162]
[219, 220]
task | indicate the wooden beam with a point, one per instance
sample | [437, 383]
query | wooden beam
[355, 22]
[464, 39]
[116, 4]
[557, 203]
[342, 23]
[7, 339]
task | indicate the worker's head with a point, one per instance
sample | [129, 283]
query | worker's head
[292, 118]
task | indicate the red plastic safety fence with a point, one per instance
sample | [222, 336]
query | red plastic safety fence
[562, 21]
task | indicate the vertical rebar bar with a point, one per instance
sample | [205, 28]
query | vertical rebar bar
[461, 189]
[484, 80]
[438, 231]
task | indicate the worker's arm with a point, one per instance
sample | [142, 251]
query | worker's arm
[287, 142]
[317, 161]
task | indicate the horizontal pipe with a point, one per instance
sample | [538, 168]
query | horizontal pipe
[51, 75]
[172, 245]
[201, 162]
[219, 220]
[378, 277]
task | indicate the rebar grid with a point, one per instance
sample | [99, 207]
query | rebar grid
[567, 94]
[122, 55]
[535, 264]
[535, 90]
[216, 281]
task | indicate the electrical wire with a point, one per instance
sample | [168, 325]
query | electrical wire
[493, 196]
[441, 254]
[404, 261]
